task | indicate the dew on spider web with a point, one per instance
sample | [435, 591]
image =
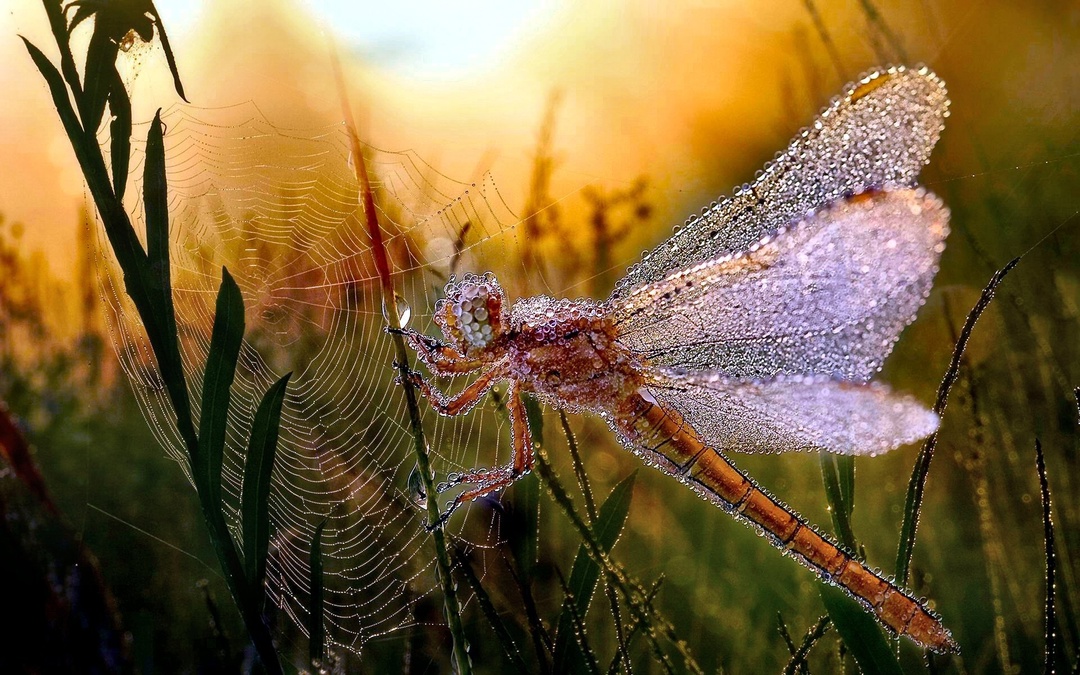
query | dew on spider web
[280, 209]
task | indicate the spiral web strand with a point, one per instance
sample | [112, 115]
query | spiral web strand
[280, 209]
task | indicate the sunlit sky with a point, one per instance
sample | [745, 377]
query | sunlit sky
[421, 39]
[692, 95]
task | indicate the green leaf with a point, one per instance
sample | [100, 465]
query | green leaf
[225, 343]
[316, 630]
[831, 476]
[160, 314]
[120, 131]
[502, 633]
[258, 467]
[860, 632]
[585, 574]
[845, 469]
[524, 540]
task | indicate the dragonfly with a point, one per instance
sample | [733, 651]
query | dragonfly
[757, 327]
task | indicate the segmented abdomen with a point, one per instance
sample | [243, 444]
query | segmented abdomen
[663, 435]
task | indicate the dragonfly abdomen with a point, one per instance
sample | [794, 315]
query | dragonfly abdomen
[665, 438]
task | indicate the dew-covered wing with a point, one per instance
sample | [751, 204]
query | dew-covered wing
[878, 134]
[794, 413]
[826, 295]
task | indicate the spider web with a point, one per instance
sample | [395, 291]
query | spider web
[280, 208]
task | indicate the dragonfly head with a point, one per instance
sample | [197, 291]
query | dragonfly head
[471, 315]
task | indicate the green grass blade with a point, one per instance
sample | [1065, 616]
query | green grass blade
[845, 470]
[158, 271]
[839, 509]
[316, 629]
[917, 484]
[258, 468]
[860, 632]
[225, 343]
[526, 542]
[502, 633]
[1050, 628]
[585, 573]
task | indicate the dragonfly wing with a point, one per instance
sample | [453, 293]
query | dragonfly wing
[828, 295]
[878, 134]
[792, 413]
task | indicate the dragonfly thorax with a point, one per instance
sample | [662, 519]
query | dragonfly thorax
[567, 351]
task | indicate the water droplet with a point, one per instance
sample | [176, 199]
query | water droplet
[416, 487]
[403, 310]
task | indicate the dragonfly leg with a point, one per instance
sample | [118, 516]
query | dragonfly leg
[486, 481]
[464, 401]
[441, 359]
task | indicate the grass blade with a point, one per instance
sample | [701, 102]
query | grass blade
[586, 660]
[917, 484]
[120, 133]
[1050, 614]
[100, 72]
[258, 468]
[159, 315]
[860, 632]
[798, 656]
[316, 628]
[167, 48]
[585, 573]
[839, 508]
[502, 633]
[225, 343]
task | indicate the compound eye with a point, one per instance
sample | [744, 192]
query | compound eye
[473, 315]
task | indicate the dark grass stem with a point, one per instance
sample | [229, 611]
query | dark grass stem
[635, 627]
[578, 622]
[798, 659]
[451, 607]
[917, 484]
[623, 655]
[579, 467]
[654, 623]
[826, 39]
[1050, 615]
[487, 606]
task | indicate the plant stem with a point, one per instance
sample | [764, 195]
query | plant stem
[452, 609]
[917, 484]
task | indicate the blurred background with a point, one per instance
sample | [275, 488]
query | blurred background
[602, 126]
